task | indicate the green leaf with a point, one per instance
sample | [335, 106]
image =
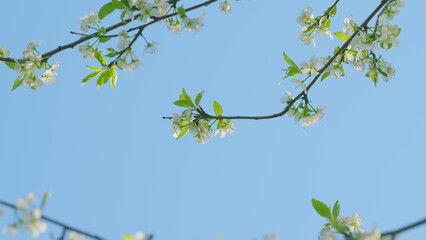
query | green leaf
[18, 82]
[292, 71]
[198, 98]
[325, 75]
[11, 65]
[181, 12]
[290, 62]
[89, 77]
[341, 36]
[181, 103]
[322, 209]
[94, 69]
[100, 57]
[182, 133]
[217, 108]
[106, 10]
[103, 78]
[126, 3]
[333, 11]
[336, 209]
[104, 39]
[336, 49]
[187, 98]
[102, 31]
[114, 77]
[326, 23]
[118, 4]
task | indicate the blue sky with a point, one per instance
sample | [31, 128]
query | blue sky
[114, 167]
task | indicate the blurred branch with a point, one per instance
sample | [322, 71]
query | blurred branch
[49, 54]
[320, 72]
[394, 233]
[64, 226]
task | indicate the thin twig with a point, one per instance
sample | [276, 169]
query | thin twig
[49, 54]
[406, 228]
[51, 220]
[320, 72]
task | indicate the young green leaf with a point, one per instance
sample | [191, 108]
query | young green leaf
[217, 108]
[198, 98]
[325, 75]
[114, 77]
[182, 133]
[10, 65]
[106, 10]
[290, 62]
[94, 69]
[336, 209]
[326, 23]
[18, 82]
[126, 3]
[187, 98]
[104, 39]
[103, 78]
[322, 209]
[118, 4]
[89, 77]
[181, 12]
[181, 103]
[100, 57]
[341, 36]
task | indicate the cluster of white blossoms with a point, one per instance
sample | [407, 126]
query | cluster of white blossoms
[361, 54]
[28, 220]
[310, 24]
[353, 224]
[201, 129]
[225, 7]
[29, 66]
[192, 120]
[340, 226]
[86, 21]
[147, 10]
[124, 40]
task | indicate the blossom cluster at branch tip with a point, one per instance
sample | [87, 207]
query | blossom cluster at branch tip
[29, 66]
[225, 7]
[28, 220]
[194, 24]
[311, 24]
[346, 227]
[150, 48]
[86, 21]
[195, 121]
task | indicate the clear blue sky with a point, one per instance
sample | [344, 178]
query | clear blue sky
[114, 167]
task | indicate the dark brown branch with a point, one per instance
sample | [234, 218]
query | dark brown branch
[320, 72]
[49, 54]
[406, 228]
[64, 226]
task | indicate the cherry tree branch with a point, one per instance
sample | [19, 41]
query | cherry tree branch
[53, 221]
[320, 72]
[49, 54]
[394, 233]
